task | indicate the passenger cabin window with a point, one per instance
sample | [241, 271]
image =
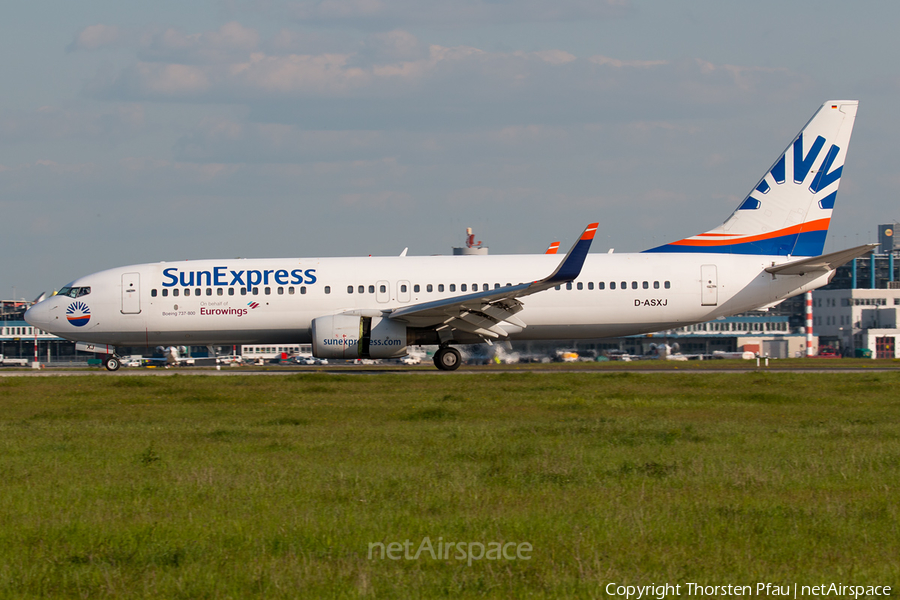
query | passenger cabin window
[634, 285]
[668, 285]
[403, 288]
[349, 289]
[646, 285]
[303, 289]
[268, 291]
[187, 291]
[416, 288]
[371, 289]
[152, 293]
[361, 289]
[165, 292]
[381, 288]
[209, 291]
[601, 285]
[175, 292]
[280, 291]
[220, 291]
[231, 291]
[612, 285]
[291, 291]
[580, 286]
[463, 288]
[429, 288]
[569, 286]
[655, 285]
[452, 287]
[440, 287]
[243, 291]
[327, 289]
[590, 285]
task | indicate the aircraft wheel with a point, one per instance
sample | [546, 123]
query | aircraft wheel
[447, 359]
[112, 363]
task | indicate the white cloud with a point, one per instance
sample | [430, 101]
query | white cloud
[395, 75]
[389, 14]
[232, 41]
[97, 36]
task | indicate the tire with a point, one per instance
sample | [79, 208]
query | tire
[112, 363]
[447, 359]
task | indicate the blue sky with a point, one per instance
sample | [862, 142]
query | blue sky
[139, 132]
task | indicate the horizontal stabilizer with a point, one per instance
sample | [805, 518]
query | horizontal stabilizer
[821, 264]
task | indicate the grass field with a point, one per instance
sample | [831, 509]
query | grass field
[191, 486]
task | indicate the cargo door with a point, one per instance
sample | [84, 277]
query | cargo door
[709, 286]
[131, 293]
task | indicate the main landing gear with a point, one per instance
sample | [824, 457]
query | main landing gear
[447, 359]
[112, 362]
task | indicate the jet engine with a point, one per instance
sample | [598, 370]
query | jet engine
[355, 336]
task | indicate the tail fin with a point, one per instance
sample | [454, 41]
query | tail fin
[788, 212]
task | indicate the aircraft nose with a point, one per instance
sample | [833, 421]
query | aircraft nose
[38, 315]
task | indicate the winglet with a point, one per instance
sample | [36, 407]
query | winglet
[571, 265]
[501, 298]
[553, 249]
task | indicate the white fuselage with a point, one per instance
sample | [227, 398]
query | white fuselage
[213, 302]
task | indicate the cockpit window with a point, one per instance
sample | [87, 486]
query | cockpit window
[74, 292]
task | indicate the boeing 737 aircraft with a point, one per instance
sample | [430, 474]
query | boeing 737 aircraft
[769, 249]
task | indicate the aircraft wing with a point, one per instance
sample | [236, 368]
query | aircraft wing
[481, 313]
[821, 264]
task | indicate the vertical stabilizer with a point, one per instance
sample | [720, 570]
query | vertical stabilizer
[788, 212]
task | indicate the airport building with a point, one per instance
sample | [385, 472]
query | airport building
[856, 314]
[763, 334]
[858, 321]
[18, 338]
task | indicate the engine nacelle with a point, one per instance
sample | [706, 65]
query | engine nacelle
[353, 336]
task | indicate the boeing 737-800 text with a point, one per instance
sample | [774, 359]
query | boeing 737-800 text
[769, 249]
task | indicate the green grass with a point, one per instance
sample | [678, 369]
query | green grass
[190, 486]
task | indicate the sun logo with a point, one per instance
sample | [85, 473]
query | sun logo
[78, 314]
[803, 162]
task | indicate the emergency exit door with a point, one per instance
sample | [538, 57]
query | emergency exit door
[709, 286]
[131, 293]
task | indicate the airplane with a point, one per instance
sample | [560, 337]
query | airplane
[769, 249]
